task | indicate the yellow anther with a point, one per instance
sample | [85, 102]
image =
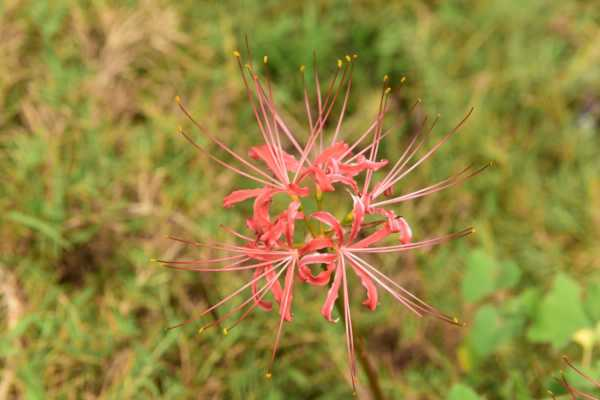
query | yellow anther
[438, 115]
[225, 331]
[348, 58]
[201, 330]
[268, 375]
[402, 79]
[248, 66]
[302, 68]
[266, 59]
[236, 53]
[339, 63]
[179, 129]
[153, 260]
[385, 78]
[455, 320]
[355, 56]
[177, 99]
[387, 90]
[473, 230]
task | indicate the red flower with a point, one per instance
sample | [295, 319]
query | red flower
[319, 248]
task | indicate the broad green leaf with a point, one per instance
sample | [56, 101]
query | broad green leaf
[592, 301]
[508, 275]
[479, 279]
[484, 335]
[461, 391]
[560, 314]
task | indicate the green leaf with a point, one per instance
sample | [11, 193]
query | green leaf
[484, 335]
[560, 314]
[461, 391]
[592, 301]
[509, 275]
[479, 280]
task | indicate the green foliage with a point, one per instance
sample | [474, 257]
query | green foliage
[462, 392]
[94, 179]
[560, 313]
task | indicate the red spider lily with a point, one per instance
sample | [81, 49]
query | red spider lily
[573, 392]
[321, 249]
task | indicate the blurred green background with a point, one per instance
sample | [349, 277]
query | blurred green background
[94, 178]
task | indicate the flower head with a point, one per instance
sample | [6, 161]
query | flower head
[290, 246]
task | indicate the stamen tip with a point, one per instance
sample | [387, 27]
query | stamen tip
[388, 90]
[339, 63]
[265, 59]
[348, 58]
[177, 99]
[236, 54]
[385, 78]
[153, 260]
[402, 79]
[225, 331]
[302, 68]
[355, 56]
[201, 330]
[268, 375]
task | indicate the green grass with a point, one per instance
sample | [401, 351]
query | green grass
[94, 178]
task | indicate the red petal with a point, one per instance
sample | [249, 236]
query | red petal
[332, 295]
[240, 195]
[373, 238]
[322, 179]
[276, 288]
[316, 244]
[265, 305]
[367, 282]
[332, 152]
[331, 221]
[292, 214]
[358, 216]
[322, 278]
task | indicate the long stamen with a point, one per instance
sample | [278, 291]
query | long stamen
[433, 149]
[221, 302]
[274, 183]
[260, 294]
[412, 246]
[285, 304]
[462, 176]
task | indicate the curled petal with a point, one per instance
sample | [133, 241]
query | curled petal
[240, 195]
[369, 285]
[332, 295]
[404, 229]
[333, 178]
[358, 213]
[292, 214]
[276, 288]
[294, 189]
[265, 305]
[353, 169]
[373, 238]
[331, 153]
[329, 220]
[316, 244]
[322, 179]
[261, 219]
[322, 278]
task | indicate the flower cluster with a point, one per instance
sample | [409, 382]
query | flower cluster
[321, 206]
